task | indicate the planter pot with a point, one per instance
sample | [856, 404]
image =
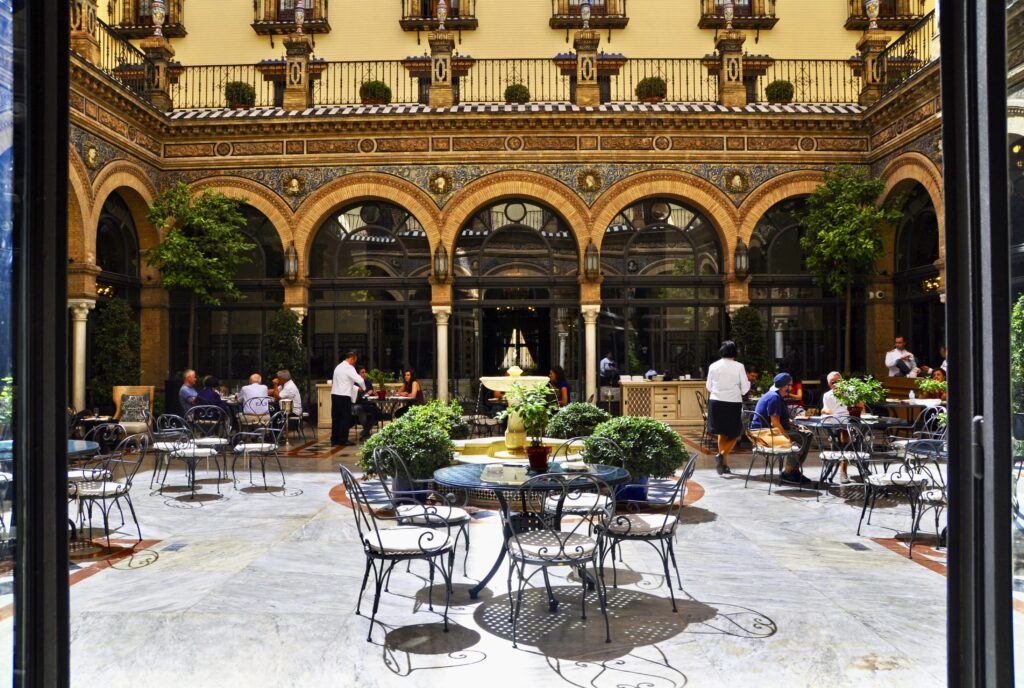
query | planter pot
[635, 490]
[373, 101]
[241, 106]
[400, 485]
[652, 99]
[382, 394]
[855, 411]
[538, 457]
[781, 102]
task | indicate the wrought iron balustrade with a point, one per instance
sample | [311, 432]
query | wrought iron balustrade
[134, 18]
[340, 82]
[747, 14]
[604, 14]
[122, 61]
[896, 15]
[909, 53]
[487, 80]
[814, 81]
[204, 86]
[421, 15]
[277, 17]
[686, 79]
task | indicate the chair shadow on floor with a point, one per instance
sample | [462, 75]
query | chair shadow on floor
[407, 649]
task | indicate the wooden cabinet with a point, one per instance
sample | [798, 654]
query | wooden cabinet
[672, 402]
[323, 406]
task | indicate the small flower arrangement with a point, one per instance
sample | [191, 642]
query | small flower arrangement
[853, 391]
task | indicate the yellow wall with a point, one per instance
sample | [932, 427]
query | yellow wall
[219, 32]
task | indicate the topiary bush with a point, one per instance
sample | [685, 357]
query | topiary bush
[651, 448]
[375, 92]
[517, 93]
[577, 419]
[779, 91]
[447, 416]
[423, 444]
[652, 88]
[239, 94]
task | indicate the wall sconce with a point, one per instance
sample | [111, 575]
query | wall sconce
[291, 263]
[585, 15]
[441, 265]
[741, 261]
[591, 262]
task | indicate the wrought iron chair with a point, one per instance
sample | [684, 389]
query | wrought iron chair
[211, 427]
[768, 444]
[171, 431]
[260, 444]
[107, 435]
[586, 504]
[654, 521]
[412, 499]
[385, 547]
[926, 426]
[255, 414]
[702, 403]
[840, 440]
[881, 478]
[119, 469]
[934, 496]
[537, 539]
[178, 441]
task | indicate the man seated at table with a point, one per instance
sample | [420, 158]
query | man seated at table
[772, 408]
[366, 413]
[188, 393]
[286, 389]
[830, 406]
[255, 401]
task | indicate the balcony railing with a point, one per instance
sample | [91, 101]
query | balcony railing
[421, 15]
[339, 84]
[122, 61]
[686, 80]
[814, 81]
[277, 17]
[604, 14]
[909, 53]
[487, 80]
[893, 15]
[747, 14]
[134, 18]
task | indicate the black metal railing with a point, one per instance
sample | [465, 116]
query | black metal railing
[908, 53]
[134, 18]
[814, 81]
[427, 9]
[205, 86]
[741, 8]
[121, 60]
[487, 80]
[888, 9]
[686, 79]
[339, 82]
[280, 14]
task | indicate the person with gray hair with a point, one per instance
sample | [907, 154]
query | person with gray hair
[830, 406]
[287, 389]
[255, 390]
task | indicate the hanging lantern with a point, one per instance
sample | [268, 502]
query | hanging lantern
[591, 262]
[441, 265]
[291, 263]
[741, 260]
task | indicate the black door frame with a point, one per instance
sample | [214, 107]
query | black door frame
[980, 629]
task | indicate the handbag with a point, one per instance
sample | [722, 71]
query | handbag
[769, 438]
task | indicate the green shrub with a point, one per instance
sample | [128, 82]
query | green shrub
[930, 386]
[534, 406]
[115, 351]
[577, 419]
[446, 416]
[651, 87]
[376, 91]
[852, 391]
[651, 448]
[517, 93]
[239, 94]
[779, 91]
[282, 347]
[748, 331]
[423, 445]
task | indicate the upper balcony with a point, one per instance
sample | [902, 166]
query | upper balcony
[134, 18]
[277, 17]
[604, 14]
[893, 15]
[747, 14]
[421, 15]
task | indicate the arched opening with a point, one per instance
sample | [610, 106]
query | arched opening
[920, 313]
[663, 288]
[229, 337]
[368, 292]
[804, 323]
[516, 299]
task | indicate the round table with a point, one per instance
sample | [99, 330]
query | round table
[469, 477]
[76, 449]
[871, 421]
[386, 407]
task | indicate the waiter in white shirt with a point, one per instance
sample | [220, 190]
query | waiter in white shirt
[343, 393]
[901, 363]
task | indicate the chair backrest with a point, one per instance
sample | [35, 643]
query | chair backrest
[208, 421]
[669, 504]
[366, 521]
[927, 422]
[541, 501]
[845, 435]
[125, 461]
[172, 428]
[74, 419]
[118, 390]
[389, 465]
[605, 450]
[107, 435]
[257, 406]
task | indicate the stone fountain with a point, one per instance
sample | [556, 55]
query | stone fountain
[515, 435]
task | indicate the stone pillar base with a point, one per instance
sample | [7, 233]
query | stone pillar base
[588, 95]
[441, 96]
[86, 45]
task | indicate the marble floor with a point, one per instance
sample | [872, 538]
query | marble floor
[257, 587]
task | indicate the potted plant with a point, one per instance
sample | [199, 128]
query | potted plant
[424, 446]
[533, 405]
[517, 93]
[779, 91]
[239, 95]
[855, 392]
[375, 93]
[577, 419]
[446, 416]
[651, 449]
[652, 89]
[932, 389]
[379, 377]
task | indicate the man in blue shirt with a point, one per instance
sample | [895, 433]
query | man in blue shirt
[772, 408]
[187, 394]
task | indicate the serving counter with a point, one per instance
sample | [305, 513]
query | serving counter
[673, 402]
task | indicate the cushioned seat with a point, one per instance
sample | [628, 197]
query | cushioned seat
[194, 453]
[168, 446]
[100, 489]
[641, 524]
[77, 475]
[585, 503]
[896, 477]
[134, 428]
[552, 546]
[254, 447]
[935, 496]
[776, 450]
[417, 513]
[829, 455]
[411, 540]
[211, 441]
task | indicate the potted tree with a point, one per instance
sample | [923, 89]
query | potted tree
[379, 377]
[651, 449]
[239, 95]
[517, 93]
[577, 419]
[533, 405]
[779, 91]
[375, 93]
[855, 392]
[652, 89]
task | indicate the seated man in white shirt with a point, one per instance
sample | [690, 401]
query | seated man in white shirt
[830, 406]
[254, 397]
[287, 390]
[901, 363]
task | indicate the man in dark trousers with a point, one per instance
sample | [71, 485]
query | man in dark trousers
[343, 392]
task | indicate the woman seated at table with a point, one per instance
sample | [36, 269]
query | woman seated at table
[210, 396]
[939, 375]
[559, 385]
[410, 390]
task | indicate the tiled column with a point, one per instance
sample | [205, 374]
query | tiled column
[83, 30]
[871, 46]
[731, 91]
[441, 315]
[80, 317]
[158, 52]
[442, 44]
[298, 48]
[590, 313]
[588, 94]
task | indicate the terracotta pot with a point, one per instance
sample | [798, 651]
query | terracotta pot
[538, 457]
[373, 101]
[855, 411]
[382, 394]
[652, 99]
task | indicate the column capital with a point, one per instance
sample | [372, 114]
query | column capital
[300, 311]
[80, 308]
[441, 314]
[590, 313]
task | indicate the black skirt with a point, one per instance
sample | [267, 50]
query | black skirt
[725, 418]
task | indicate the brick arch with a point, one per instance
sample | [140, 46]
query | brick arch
[774, 191]
[79, 205]
[532, 186]
[898, 175]
[130, 181]
[259, 197]
[687, 188]
[354, 188]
